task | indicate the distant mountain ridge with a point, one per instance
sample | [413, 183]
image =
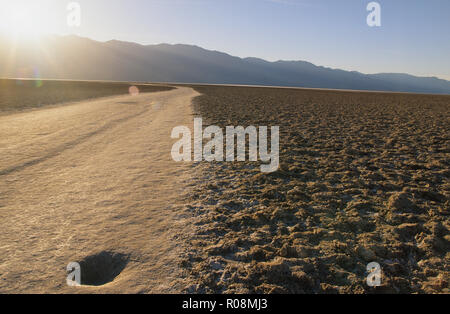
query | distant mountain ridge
[72, 57]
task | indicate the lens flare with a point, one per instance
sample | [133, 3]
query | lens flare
[133, 90]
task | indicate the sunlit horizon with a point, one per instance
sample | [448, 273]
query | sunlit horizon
[339, 42]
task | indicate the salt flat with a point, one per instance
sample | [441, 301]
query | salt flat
[88, 179]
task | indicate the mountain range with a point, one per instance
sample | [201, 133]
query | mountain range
[77, 58]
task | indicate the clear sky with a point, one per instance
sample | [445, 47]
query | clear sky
[414, 36]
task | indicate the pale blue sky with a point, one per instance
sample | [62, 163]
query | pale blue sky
[414, 36]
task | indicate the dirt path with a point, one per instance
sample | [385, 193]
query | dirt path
[91, 177]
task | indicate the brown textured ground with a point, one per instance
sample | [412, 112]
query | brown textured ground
[364, 177]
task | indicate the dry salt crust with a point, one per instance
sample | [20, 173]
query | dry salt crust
[93, 182]
[364, 177]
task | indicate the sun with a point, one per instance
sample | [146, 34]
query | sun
[22, 22]
[23, 19]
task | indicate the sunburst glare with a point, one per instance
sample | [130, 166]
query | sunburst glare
[25, 19]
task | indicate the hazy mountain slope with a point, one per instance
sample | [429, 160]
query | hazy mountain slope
[72, 57]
